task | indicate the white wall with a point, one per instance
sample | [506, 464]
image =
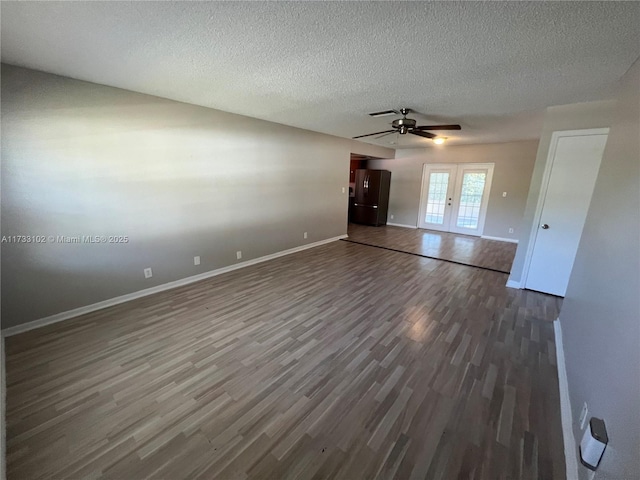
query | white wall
[176, 179]
[512, 173]
[600, 315]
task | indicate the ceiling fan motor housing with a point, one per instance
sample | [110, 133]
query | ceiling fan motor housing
[404, 124]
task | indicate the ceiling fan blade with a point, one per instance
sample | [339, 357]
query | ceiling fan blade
[439, 127]
[423, 134]
[384, 113]
[376, 133]
[385, 134]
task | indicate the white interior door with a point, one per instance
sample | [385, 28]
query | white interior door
[437, 196]
[570, 179]
[455, 197]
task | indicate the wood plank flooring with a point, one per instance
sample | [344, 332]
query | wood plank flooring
[464, 249]
[342, 361]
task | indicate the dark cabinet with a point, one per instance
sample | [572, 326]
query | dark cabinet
[354, 166]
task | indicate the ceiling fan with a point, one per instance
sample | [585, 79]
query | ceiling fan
[406, 125]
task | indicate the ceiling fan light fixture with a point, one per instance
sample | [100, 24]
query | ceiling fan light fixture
[439, 140]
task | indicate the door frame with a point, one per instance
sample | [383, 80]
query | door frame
[544, 186]
[458, 167]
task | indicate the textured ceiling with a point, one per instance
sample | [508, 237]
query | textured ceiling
[492, 67]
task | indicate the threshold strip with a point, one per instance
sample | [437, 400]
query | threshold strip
[425, 256]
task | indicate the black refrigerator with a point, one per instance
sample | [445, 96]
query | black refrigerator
[371, 200]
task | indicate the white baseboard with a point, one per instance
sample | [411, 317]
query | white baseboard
[500, 239]
[513, 284]
[59, 317]
[570, 458]
[401, 225]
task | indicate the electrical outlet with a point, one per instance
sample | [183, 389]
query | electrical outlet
[196, 260]
[392, 216]
[504, 194]
[305, 235]
[511, 230]
[148, 273]
[583, 416]
[239, 254]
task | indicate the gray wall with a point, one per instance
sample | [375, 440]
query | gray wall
[3, 411]
[600, 315]
[564, 117]
[178, 180]
[368, 149]
[512, 173]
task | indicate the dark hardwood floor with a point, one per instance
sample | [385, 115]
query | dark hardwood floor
[342, 361]
[464, 249]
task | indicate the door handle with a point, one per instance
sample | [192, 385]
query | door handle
[544, 226]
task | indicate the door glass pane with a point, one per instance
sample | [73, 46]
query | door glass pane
[470, 199]
[437, 198]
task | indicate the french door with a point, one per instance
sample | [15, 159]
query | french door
[454, 197]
